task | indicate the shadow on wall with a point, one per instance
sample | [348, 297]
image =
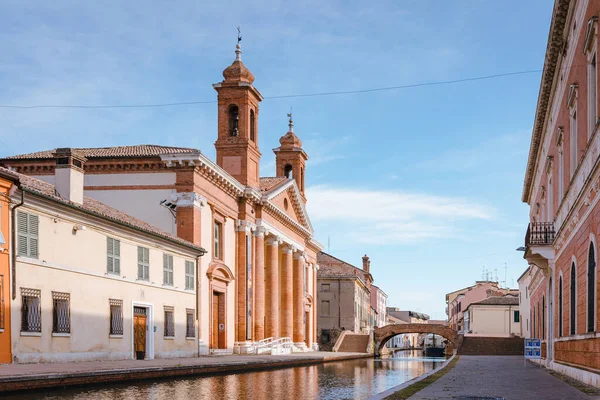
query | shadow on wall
[328, 337]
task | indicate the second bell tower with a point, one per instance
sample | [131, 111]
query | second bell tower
[237, 142]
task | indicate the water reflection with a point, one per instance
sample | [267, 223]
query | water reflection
[356, 379]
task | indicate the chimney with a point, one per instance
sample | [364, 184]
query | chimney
[69, 174]
[366, 263]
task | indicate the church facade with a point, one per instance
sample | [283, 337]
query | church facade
[258, 277]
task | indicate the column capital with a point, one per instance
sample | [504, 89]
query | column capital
[260, 231]
[244, 225]
[273, 240]
[299, 255]
[188, 199]
[287, 248]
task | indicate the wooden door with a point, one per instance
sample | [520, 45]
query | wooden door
[139, 334]
[221, 321]
[215, 321]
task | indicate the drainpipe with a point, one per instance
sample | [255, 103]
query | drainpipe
[14, 245]
[197, 300]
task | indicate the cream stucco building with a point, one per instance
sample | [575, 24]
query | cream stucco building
[496, 316]
[89, 282]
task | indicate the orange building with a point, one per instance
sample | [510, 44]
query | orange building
[5, 243]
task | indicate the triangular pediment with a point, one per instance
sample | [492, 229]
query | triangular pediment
[286, 199]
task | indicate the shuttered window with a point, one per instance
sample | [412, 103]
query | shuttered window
[116, 316]
[169, 322]
[61, 314]
[113, 256]
[143, 264]
[27, 231]
[189, 323]
[167, 270]
[31, 310]
[189, 275]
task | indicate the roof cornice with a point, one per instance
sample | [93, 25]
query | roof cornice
[553, 51]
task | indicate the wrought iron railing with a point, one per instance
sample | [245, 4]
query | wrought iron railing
[540, 233]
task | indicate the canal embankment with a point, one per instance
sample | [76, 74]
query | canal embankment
[21, 377]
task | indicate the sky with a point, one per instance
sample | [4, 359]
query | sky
[426, 180]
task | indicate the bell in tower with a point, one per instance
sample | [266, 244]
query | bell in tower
[237, 141]
[290, 157]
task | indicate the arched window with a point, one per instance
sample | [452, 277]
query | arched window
[591, 290]
[287, 171]
[560, 307]
[543, 317]
[252, 126]
[234, 116]
[573, 300]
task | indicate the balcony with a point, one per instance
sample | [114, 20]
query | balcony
[538, 245]
[539, 234]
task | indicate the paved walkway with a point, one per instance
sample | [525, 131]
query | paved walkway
[32, 376]
[499, 377]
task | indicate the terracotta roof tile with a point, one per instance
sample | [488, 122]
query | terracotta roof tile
[142, 150]
[507, 300]
[92, 206]
[268, 183]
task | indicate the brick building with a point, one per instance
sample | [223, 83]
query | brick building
[258, 278]
[562, 188]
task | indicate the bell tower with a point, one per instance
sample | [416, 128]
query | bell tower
[237, 142]
[290, 157]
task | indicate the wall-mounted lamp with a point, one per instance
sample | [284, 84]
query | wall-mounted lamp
[79, 227]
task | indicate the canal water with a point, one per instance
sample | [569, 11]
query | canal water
[354, 379]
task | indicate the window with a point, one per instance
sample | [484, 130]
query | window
[217, 240]
[591, 290]
[143, 264]
[116, 316]
[550, 206]
[167, 270]
[561, 166]
[252, 126]
[113, 252]
[325, 335]
[31, 310]
[233, 120]
[287, 171]
[169, 322]
[325, 308]
[189, 324]
[592, 94]
[573, 141]
[573, 300]
[325, 287]
[27, 231]
[61, 316]
[560, 307]
[189, 275]
[516, 316]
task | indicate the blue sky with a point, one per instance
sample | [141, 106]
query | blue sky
[427, 181]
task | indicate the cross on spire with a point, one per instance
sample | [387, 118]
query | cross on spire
[291, 123]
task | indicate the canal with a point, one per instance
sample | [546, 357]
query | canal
[354, 379]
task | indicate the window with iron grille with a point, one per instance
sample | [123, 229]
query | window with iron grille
[189, 275]
[189, 323]
[143, 264]
[169, 322]
[167, 270]
[113, 256]
[31, 310]
[61, 315]
[116, 316]
[27, 231]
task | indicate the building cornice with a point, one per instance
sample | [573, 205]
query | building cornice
[553, 51]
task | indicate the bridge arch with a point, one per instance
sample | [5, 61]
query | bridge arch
[383, 334]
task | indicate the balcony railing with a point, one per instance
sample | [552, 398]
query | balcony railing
[540, 233]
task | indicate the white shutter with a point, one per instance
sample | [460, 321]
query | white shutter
[22, 233]
[109, 253]
[33, 229]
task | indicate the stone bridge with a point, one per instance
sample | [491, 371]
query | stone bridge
[383, 334]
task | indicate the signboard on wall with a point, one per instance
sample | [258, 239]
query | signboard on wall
[533, 349]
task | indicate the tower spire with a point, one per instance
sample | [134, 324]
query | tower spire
[238, 48]
[291, 122]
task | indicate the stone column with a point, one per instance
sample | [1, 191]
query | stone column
[315, 306]
[259, 284]
[272, 288]
[309, 320]
[299, 332]
[287, 292]
[240, 285]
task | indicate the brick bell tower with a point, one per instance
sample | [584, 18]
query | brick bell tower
[237, 143]
[290, 157]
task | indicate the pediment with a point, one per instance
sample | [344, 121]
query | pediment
[287, 200]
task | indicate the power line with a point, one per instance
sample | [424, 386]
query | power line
[336, 93]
